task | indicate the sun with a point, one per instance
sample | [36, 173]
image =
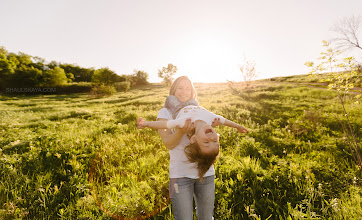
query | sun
[209, 59]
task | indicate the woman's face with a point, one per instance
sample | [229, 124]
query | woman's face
[183, 90]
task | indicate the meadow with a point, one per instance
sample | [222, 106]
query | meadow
[76, 156]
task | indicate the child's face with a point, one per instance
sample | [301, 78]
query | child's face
[183, 90]
[207, 138]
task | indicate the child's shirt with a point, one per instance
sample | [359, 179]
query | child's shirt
[194, 113]
[180, 166]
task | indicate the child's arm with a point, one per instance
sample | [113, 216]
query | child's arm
[141, 123]
[232, 124]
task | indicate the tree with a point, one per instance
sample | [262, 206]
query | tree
[39, 63]
[347, 31]
[25, 76]
[139, 77]
[341, 71]
[54, 77]
[105, 76]
[7, 68]
[167, 74]
[80, 74]
[248, 71]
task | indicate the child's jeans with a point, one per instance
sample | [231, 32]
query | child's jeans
[183, 190]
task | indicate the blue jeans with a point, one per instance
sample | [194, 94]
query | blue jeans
[183, 190]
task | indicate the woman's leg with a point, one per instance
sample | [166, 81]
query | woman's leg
[181, 194]
[205, 197]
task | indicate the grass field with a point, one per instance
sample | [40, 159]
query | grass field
[80, 157]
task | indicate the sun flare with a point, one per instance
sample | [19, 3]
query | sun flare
[206, 59]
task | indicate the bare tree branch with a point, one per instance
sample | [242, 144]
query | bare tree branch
[248, 71]
[347, 30]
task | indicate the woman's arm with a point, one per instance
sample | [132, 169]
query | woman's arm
[171, 140]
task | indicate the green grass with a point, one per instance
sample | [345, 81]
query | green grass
[317, 80]
[79, 157]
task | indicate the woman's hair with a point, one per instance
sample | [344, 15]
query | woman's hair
[177, 81]
[203, 161]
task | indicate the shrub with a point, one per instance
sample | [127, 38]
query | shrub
[79, 87]
[103, 90]
[122, 86]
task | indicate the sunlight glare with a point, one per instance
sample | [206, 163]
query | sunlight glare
[209, 60]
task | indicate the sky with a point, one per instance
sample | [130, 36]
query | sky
[206, 39]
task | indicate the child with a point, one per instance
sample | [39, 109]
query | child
[204, 147]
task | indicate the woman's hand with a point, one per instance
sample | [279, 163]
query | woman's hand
[188, 126]
[170, 139]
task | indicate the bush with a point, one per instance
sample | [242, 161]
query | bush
[122, 86]
[103, 90]
[79, 87]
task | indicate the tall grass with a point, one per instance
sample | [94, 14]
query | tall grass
[81, 157]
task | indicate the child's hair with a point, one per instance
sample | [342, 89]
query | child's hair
[203, 161]
[177, 81]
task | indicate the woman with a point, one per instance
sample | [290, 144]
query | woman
[184, 182]
[204, 142]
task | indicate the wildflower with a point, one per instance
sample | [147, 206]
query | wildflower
[334, 204]
[355, 179]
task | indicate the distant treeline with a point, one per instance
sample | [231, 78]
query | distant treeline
[24, 71]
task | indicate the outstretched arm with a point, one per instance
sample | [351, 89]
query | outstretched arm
[141, 123]
[217, 121]
[232, 124]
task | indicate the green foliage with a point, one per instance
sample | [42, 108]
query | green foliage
[167, 74]
[54, 77]
[341, 82]
[81, 157]
[25, 76]
[80, 87]
[7, 68]
[122, 86]
[22, 72]
[138, 78]
[104, 76]
[341, 70]
[103, 90]
[80, 74]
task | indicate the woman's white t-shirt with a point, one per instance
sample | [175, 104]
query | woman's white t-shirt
[179, 165]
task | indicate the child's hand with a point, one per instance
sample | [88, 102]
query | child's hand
[241, 129]
[216, 122]
[141, 123]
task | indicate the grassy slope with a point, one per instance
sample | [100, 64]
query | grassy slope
[294, 161]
